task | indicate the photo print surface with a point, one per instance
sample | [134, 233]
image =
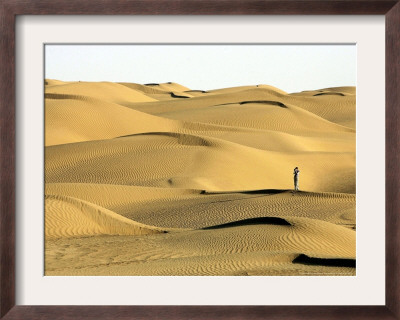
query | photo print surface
[200, 160]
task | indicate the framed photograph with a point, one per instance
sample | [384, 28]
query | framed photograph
[186, 159]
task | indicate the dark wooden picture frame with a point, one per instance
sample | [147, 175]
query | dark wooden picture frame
[9, 9]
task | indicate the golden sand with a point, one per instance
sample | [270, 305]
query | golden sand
[160, 179]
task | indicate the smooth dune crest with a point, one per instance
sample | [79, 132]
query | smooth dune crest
[70, 120]
[105, 91]
[71, 217]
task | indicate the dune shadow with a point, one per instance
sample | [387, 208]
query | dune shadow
[182, 139]
[264, 191]
[202, 91]
[251, 221]
[259, 191]
[174, 95]
[62, 96]
[303, 259]
[271, 102]
[329, 94]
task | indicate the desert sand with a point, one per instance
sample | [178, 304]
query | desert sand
[161, 179]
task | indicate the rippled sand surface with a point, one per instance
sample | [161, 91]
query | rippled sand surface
[161, 179]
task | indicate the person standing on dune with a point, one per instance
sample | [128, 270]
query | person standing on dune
[296, 172]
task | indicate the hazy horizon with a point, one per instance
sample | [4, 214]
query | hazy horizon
[292, 68]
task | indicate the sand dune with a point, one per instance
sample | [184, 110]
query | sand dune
[337, 105]
[71, 217]
[194, 162]
[105, 91]
[169, 86]
[76, 119]
[245, 249]
[160, 179]
[261, 114]
[188, 208]
[163, 91]
[271, 89]
[210, 99]
[146, 89]
[334, 104]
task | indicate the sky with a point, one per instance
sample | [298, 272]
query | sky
[292, 68]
